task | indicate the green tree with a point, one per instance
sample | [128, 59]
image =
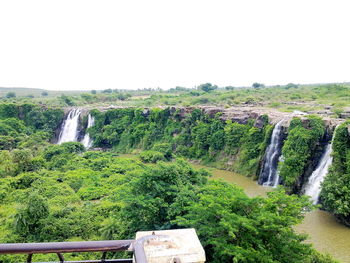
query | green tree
[207, 87]
[235, 228]
[234, 132]
[10, 95]
[7, 166]
[8, 110]
[107, 91]
[164, 148]
[149, 195]
[291, 85]
[28, 218]
[257, 85]
[67, 100]
[7, 142]
[151, 156]
[22, 157]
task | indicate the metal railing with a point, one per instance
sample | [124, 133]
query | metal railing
[59, 248]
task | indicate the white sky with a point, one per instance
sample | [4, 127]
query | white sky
[82, 44]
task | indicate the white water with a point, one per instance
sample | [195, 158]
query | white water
[313, 187]
[87, 141]
[273, 156]
[69, 129]
[276, 181]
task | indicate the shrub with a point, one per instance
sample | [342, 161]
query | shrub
[151, 156]
[10, 95]
[91, 193]
[164, 148]
[295, 96]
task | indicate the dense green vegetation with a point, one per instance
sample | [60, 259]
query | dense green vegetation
[33, 116]
[27, 126]
[298, 150]
[93, 195]
[251, 229]
[61, 192]
[195, 135]
[335, 195]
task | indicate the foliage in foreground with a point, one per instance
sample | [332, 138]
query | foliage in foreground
[235, 228]
[95, 195]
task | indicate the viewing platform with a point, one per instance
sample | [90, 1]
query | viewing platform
[166, 246]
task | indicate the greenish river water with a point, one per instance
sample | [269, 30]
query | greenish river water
[325, 233]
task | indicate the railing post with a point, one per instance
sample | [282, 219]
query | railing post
[29, 258]
[60, 257]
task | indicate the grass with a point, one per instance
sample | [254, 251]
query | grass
[335, 97]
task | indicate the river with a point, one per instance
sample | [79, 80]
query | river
[325, 233]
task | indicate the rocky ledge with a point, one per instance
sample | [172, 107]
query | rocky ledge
[236, 114]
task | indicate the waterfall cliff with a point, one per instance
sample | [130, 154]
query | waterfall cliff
[87, 141]
[269, 174]
[69, 128]
[313, 186]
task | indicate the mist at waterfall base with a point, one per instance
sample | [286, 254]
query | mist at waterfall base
[69, 129]
[269, 174]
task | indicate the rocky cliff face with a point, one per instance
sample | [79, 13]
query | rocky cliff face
[236, 114]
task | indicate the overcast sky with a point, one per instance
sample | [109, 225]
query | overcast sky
[130, 44]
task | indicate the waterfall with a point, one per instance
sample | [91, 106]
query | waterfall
[69, 129]
[269, 174]
[87, 141]
[276, 181]
[313, 186]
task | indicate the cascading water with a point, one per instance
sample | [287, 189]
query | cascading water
[269, 174]
[69, 130]
[313, 186]
[87, 141]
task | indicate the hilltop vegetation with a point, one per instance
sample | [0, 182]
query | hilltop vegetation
[332, 98]
[30, 93]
